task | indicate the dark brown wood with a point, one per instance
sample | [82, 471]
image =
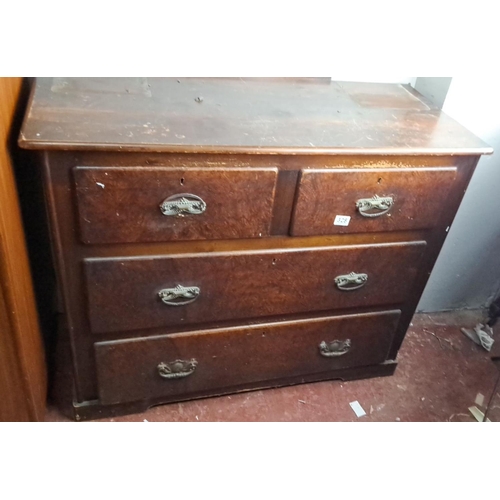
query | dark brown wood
[95, 410]
[417, 195]
[23, 376]
[123, 293]
[123, 204]
[435, 239]
[127, 370]
[283, 206]
[296, 161]
[69, 251]
[109, 280]
[239, 115]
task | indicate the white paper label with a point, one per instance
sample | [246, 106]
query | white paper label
[342, 220]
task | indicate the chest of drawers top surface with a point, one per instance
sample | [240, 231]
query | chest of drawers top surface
[234, 115]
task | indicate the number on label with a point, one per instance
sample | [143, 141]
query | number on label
[342, 220]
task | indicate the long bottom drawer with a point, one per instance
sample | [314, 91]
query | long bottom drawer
[191, 362]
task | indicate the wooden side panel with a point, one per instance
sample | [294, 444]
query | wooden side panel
[119, 205]
[23, 382]
[128, 370]
[123, 294]
[418, 195]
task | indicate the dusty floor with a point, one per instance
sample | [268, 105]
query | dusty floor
[439, 376]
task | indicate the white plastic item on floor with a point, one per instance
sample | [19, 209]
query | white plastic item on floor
[481, 334]
[478, 414]
[357, 409]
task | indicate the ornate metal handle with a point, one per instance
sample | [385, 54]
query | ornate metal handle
[169, 296]
[351, 281]
[183, 204]
[382, 204]
[334, 348]
[177, 369]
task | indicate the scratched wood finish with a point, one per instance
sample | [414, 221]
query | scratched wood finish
[123, 293]
[23, 380]
[239, 115]
[323, 194]
[283, 124]
[123, 204]
[127, 370]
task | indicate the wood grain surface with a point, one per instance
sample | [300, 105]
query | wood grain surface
[123, 293]
[417, 196]
[127, 370]
[123, 204]
[23, 382]
[321, 145]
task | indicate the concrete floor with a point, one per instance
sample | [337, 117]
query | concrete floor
[439, 376]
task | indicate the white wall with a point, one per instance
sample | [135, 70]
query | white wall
[467, 273]
[435, 88]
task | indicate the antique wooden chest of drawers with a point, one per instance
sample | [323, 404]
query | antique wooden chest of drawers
[219, 235]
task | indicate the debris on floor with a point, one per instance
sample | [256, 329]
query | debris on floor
[478, 414]
[439, 339]
[357, 409]
[438, 382]
[479, 399]
[376, 408]
[481, 335]
[458, 415]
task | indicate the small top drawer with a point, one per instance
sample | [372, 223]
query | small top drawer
[369, 200]
[141, 204]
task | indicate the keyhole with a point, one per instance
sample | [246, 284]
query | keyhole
[379, 180]
[182, 181]
[274, 262]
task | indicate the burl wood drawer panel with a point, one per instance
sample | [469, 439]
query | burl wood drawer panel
[185, 363]
[140, 204]
[374, 199]
[157, 291]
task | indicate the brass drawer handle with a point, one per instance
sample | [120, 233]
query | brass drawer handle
[177, 369]
[382, 204]
[170, 296]
[351, 281]
[334, 348]
[183, 204]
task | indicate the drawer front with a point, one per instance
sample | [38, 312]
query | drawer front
[178, 364]
[374, 200]
[146, 292]
[140, 204]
